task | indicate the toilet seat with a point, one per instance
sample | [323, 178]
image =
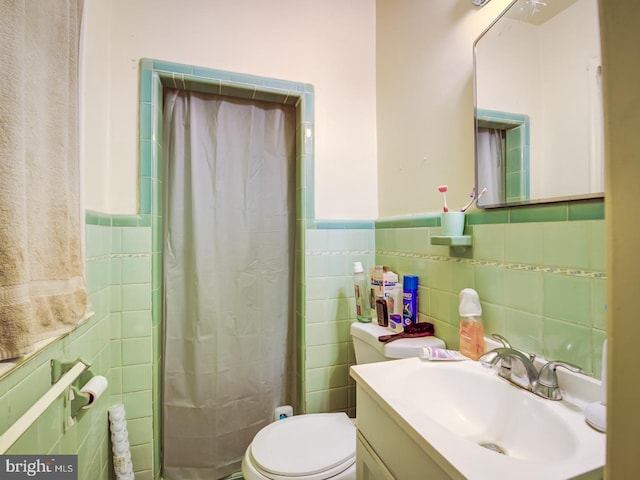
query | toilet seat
[311, 446]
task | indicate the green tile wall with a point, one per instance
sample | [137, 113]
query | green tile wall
[326, 347]
[98, 341]
[122, 262]
[543, 298]
[540, 274]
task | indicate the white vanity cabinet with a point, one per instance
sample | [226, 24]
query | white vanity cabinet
[385, 450]
[422, 420]
[369, 466]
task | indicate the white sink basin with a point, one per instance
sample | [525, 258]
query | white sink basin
[482, 426]
[493, 413]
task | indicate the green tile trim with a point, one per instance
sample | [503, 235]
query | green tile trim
[341, 225]
[587, 210]
[499, 119]
[146, 63]
[539, 213]
[145, 84]
[93, 217]
[425, 220]
[571, 210]
[144, 221]
[124, 220]
[516, 128]
[171, 67]
[546, 269]
[240, 85]
[97, 218]
[592, 209]
[488, 217]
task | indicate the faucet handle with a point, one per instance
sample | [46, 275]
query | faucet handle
[506, 344]
[501, 339]
[547, 384]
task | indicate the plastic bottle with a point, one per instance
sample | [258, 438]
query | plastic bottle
[471, 329]
[394, 301]
[363, 312]
[410, 299]
[382, 313]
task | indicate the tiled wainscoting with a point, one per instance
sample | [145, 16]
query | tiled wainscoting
[539, 272]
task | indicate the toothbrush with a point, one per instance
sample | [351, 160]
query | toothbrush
[443, 189]
[484, 190]
[473, 196]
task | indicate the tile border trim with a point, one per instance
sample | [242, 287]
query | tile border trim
[571, 272]
[570, 210]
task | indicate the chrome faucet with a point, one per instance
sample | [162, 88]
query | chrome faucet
[547, 384]
[492, 357]
[505, 365]
[543, 384]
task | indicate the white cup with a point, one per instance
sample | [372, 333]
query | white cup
[452, 224]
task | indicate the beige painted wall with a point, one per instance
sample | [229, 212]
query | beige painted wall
[425, 101]
[329, 44]
[95, 104]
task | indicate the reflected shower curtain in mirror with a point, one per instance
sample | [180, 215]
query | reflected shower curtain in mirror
[229, 217]
[490, 152]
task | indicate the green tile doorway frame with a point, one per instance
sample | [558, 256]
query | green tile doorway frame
[154, 76]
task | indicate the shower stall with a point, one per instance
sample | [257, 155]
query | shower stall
[228, 286]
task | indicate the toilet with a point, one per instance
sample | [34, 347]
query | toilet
[320, 446]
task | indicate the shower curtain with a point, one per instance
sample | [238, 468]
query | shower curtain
[491, 157]
[229, 222]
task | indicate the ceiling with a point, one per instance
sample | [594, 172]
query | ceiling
[537, 12]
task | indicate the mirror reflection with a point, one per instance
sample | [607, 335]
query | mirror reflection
[539, 116]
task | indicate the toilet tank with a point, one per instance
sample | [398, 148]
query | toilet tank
[369, 349]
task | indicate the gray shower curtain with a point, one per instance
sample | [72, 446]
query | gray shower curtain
[492, 172]
[229, 222]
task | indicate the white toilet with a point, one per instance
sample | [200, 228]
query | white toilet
[322, 446]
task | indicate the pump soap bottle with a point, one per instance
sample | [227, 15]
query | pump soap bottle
[471, 329]
[363, 313]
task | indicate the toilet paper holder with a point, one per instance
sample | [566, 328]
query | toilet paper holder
[79, 399]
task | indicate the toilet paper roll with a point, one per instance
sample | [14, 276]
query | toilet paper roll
[119, 426]
[121, 449]
[119, 436]
[94, 388]
[116, 412]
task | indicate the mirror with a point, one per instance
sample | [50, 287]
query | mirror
[538, 104]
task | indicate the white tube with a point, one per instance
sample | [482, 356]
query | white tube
[441, 354]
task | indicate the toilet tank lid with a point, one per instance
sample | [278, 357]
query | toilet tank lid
[368, 332]
[404, 348]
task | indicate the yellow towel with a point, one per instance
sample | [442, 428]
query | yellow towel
[42, 291]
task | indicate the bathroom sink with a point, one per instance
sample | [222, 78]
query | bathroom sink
[489, 412]
[480, 426]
